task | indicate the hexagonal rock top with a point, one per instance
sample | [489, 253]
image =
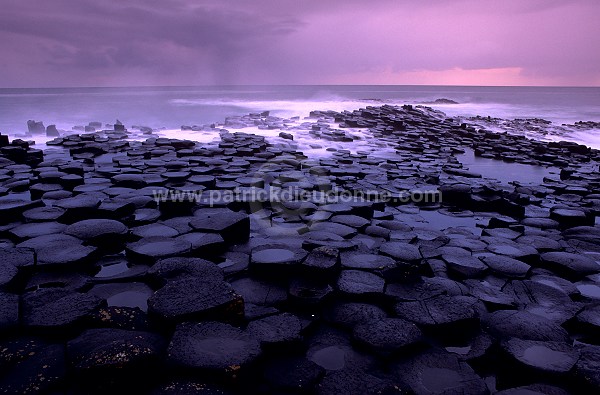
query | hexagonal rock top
[212, 346]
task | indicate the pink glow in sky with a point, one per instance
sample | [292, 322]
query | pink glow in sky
[179, 42]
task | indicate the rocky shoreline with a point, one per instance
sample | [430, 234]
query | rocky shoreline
[111, 281]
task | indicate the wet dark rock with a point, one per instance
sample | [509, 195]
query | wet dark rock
[306, 292]
[511, 249]
[349, 314]
[196, 298]
[506, 266]
[98, 231]
[321, 259]
[412, 291]
[189, 386]
[286, 136]
[355, 260]
[355, 382]
[35, 126]
[180, 267]
[441, 313]
[569, 218]
[386, 335]
[276, 330]
[344, 231]
[30, 230]
[356, 282]
[439, 373]
[43, 214]
[103, 350]
[154, 230]
[589, 318]
[42, 370]
[134, 294]
[213, 347]
[68, 254]
[9, 311]
[401, 251]
[233, 226]
[12, 208]
[547, 356]
[270, 257]
[56, 308]
[78, 207]
[571, 266]
[473, 349]
[260, 292]
[17, 257]
[8, 272]
[56, 241]
[58, 279]
[588, 367]
[158, 247]
[465, 266]
[524, 325]
[540, 243]
[293, 374]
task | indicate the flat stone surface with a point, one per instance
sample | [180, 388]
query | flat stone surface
[260, 292]
[359, 282]
[439, 373]
[96, 229]
[212, 346]
[506, 266]
[31, 230]
[158, 247]
[276, 330]
[39, 372]
[353, 260]
[182, 267]
[419, 290]
[54, 308]
[440, 310]
[386, 335]
[191, 297]
[154, 230]
[114, 349]
[67, 254]
[350, 314]
[401, 251]
[7, 273]
[355, 382]
[18, 257]
[524, 325]
[204, 243]
[40, 214]
[56, 241]
[269, 257]
[322, 259]
[344, 231]
[232, 226]
[547, 356]
[293, 374]
[588, 366]
[133, 294]
[570, 265]
[9, 311]
[465, 266]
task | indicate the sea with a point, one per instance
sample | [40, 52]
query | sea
[168, 108]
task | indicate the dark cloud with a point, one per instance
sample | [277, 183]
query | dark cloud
[138, 42]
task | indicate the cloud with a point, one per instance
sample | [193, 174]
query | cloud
[162, 42]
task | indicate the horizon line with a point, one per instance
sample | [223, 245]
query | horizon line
[294, 85]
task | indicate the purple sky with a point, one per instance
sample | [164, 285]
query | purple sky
[179, 42]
